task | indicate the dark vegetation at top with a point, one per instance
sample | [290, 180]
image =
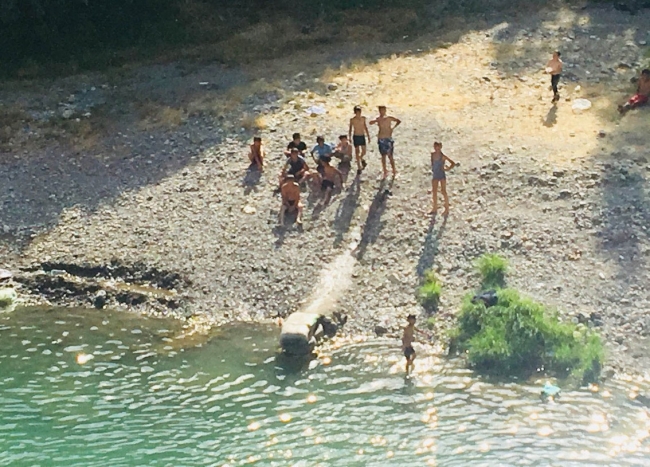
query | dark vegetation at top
[67, 36]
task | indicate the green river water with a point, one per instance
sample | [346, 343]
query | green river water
[144, 400]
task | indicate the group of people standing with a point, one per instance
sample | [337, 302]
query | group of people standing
[296, 170]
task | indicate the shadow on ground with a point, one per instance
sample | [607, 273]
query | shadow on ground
[39, 183]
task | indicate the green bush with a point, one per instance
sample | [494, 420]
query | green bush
[493, 269]
[429, 292]
[518, 337]
[431, 322]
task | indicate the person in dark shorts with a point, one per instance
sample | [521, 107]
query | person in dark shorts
[297, 143]
[295, 166]
[290, 192]
[329, 178]
[554, 68]
[358, 132]
[408, 337]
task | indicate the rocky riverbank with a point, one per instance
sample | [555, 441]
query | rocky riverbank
[161, 199]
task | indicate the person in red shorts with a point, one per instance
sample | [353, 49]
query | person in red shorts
[641, 96]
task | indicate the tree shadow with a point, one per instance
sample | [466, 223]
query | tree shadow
[345, 211]
[374, 224]
[551, 116]
[430, 247]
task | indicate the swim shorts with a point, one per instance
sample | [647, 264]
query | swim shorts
[409, 351]
[359, 140]
[325, 184]
[386, 146]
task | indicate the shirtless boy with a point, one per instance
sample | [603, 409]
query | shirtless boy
[330, 174]
[256, 154]
[386, 125]
[290, 192]
[343, 150]
[407, 342]
[642, 93]
[554, 68]
[358, 132]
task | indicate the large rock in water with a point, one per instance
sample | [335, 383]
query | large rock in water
[300, 333]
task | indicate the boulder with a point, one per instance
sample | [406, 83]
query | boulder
[299, 333]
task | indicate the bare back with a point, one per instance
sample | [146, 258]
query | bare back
[644, 86]
[330, 173]
[290, 191]
[408, 337]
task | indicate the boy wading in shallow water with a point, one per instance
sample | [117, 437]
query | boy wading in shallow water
[439, 177]
[385, 137]
[407, 342]
[554, 68]
[358, 131]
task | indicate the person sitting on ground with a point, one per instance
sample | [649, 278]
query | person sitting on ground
[343, 150]
[256, 154]
[320, 151]
[296, 166]
[329, 176]
[297, 143]
[641, 96]
[290, 192]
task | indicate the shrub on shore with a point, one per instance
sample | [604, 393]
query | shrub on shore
[493, 269]
[430, 291]
[518, 336]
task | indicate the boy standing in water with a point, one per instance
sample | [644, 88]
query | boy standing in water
[554, 68]
[385, 137]
[407, 342]
[439, 177]
[358, 131]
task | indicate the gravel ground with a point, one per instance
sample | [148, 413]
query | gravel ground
[563, 196]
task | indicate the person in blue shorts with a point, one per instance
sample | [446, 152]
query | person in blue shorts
[386, 124]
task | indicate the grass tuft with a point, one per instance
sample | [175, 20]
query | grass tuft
[430, 291]
[493, 269]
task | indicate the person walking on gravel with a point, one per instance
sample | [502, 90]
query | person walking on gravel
[554, 68]
[641, 96]
[256, 154]
[439, 167]
[357, 132]
[387, 125]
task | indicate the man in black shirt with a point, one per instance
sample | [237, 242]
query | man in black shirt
[296, 166]
[297, 144]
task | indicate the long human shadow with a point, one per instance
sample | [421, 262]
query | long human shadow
[251, 180]
[36, 188]
[551, 116]
[374, 224]
[430, 246]
[345, 211]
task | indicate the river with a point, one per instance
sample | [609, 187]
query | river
[89, 388]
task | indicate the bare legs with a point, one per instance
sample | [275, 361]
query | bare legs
[392, 164]
[284, 209]
[443, 190]
[409, 363]
[360, 153]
